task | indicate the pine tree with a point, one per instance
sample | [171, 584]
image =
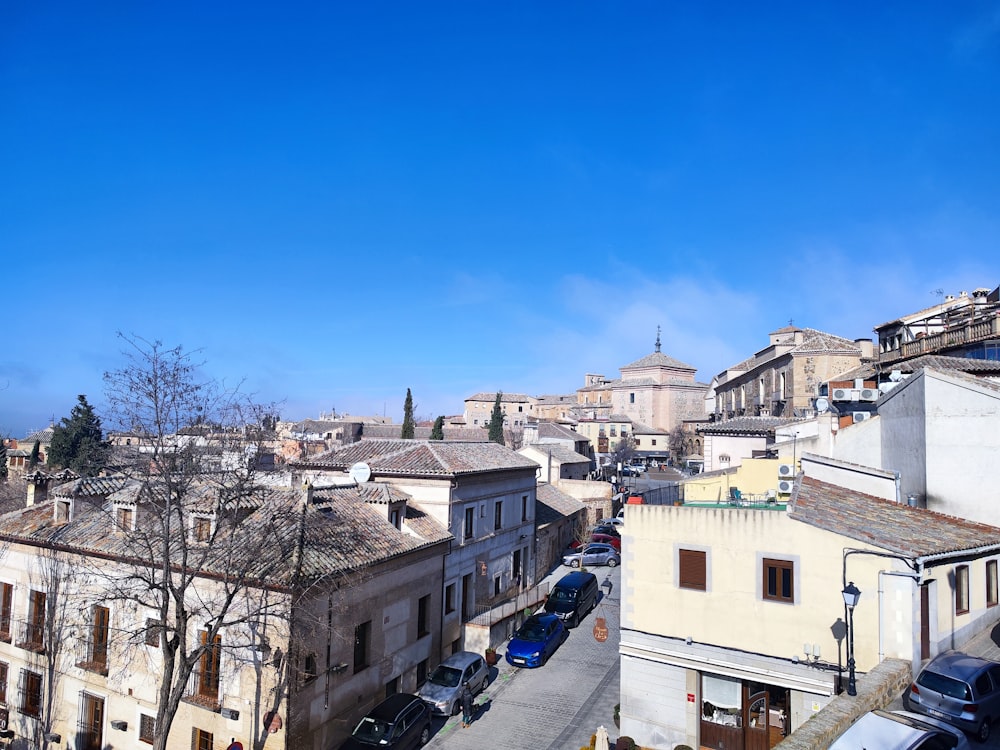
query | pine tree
[36, 450]
[78, 441]
[496, 422]
[407, 433]
[437, 431]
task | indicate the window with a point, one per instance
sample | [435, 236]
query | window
[497, 584]
[309, 668]
[524, 507]
[449, 598]
[201, 528]
[97, 648]
[631, 398]
[124, 518]
[34, 635]
[692, 569]
[6, 604]
[211, 661]
[153, 630]
[991, 583]
[201, 740]
[423, 610]
[470, 517]
[653, 440]
[779, 583]
[362, 644]
[3, 683]
[147, 728]
[30, 689]
[392, 687]
[498, 515]
[62, 511]
[962, 589]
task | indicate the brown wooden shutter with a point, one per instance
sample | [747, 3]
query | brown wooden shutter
[691, 569]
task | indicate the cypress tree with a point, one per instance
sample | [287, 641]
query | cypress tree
[407, 433]
[33, 458]
[437, 431]
[496, 422]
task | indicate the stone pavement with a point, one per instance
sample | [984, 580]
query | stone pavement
[557, 706]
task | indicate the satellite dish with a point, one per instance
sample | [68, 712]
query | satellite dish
[360, 472]
[822, 405]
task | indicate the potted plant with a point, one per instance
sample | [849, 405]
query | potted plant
[491, 655]
[618, 720]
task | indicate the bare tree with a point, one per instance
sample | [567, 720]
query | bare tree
[190, 506]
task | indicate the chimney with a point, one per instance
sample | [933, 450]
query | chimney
[38, 488]
[307, 493]
[867, 348]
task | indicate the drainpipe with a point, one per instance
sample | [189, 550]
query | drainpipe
[899, 488]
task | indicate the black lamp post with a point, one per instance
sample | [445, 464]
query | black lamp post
[851, 595]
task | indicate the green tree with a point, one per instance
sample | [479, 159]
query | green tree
[78, 441]
[496, 422]
[35, 455]
[407, 432]
[3, 459]
[437, 431]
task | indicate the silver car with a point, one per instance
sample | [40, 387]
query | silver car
[596, 553]
[900, 730]
[443, 689]
[961, 689]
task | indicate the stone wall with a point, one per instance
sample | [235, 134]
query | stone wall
[877, 689]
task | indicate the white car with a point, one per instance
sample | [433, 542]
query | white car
[616, 521]
[900, 730]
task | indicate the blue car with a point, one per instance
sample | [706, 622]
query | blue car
[536, 640]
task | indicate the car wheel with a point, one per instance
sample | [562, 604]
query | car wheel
[574, 564]
[612, 562]
[454, 709]
[983, 733]
[425, 735]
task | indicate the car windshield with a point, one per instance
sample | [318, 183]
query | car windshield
[945, 685]
[532, 630]
[446, 676]
[372, 730]
[562, 595]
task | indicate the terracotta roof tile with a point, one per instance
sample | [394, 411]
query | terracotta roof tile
[420, 458]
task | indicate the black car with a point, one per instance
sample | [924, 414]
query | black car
[607, 528]
[402, 722]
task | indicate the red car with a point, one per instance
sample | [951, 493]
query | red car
[614, 541]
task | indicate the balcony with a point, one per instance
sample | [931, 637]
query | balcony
[936, 343]
[203, 690]
[31, 636]
[95, 656]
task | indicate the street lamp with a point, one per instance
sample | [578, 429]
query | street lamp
[851, 595]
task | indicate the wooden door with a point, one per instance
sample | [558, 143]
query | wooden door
[925, 621]
[91, 723]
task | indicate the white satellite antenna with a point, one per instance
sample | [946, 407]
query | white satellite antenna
[822, 405]
[360, 472]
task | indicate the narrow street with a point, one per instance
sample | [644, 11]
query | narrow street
[557, 706]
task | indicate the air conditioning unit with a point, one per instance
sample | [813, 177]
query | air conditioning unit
[120, 725]
[229, 713]
[841, 394]
[786, 471]
[860, 416]
[869, 394]
[785, 487]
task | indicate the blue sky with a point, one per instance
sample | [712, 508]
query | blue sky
[335, 202]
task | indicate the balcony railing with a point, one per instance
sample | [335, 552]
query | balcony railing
[95, 657]
[31, 636]
[970, 333]
[202, 690]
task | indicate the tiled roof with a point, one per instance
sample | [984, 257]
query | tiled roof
[379, 493]
[554, 399]
[339, 530]
[42, 436]
[553, 504]
[91, 487]
[659, 359]
[642, 429]
[432, 458]
[560, 453]
[818, 341]
[934, 361]
[505, 398]
[558, 432]
[906, 531]
[745, 425]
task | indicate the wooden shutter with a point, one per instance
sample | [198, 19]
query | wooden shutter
[691, 569]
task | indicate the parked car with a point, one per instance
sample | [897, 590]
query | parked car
[573, 596]
[631, 471]
[961, 689]
[593, 554]
[614, 541]
[900, 730]
[401, 722]
[443, 689]
[606, 528]
[618, 520]
[535, 641]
